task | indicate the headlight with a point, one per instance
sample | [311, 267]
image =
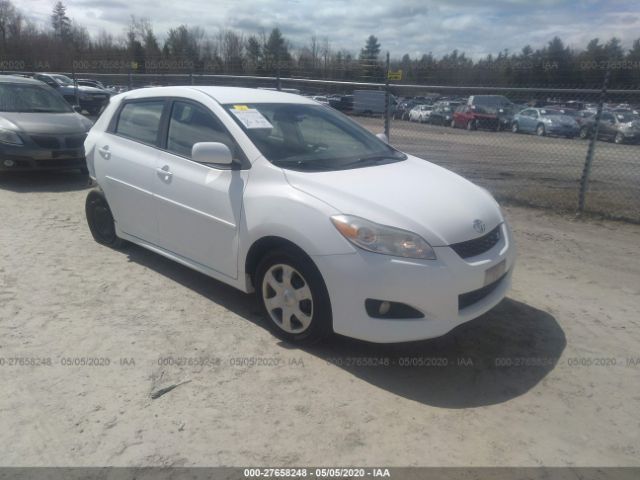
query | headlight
[381, 239]
[10, 137]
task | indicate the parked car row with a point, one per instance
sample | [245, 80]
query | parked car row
[618, 123]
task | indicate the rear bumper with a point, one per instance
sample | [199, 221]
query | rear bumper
[447, 291]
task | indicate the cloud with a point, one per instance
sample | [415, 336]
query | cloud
[402, 26]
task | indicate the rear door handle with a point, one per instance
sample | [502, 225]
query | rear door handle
[104, 152]
[164, 173]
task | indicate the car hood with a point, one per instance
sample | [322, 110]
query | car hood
[414, 195]
[47, 123]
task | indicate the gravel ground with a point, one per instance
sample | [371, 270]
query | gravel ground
[549, 377]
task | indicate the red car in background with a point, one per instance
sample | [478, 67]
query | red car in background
[465, 116]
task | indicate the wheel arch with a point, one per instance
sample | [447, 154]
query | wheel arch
[260, 247]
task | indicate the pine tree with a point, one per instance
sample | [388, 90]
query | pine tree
[369, 59]
[60, 21]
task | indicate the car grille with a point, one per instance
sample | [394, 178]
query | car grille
[477, 246]
[49, 142]
[55, 143]
[467, 299]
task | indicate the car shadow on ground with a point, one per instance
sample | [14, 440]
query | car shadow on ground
[43, 181]
[492, 359]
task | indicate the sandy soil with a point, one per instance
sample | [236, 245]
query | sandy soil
[549, 377]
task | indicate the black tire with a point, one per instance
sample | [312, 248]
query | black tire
[540, 130]
[100, 220]
[471, 125]
[619, 138]
[515, 128]
[584, 133]
[453, 124]
[321, 325]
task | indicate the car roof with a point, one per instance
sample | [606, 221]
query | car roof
[223, 95]
[17, 79]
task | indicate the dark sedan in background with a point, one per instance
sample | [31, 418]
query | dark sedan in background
[90, 99]
[38, 128]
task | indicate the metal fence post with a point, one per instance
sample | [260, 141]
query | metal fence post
[586, 171]
[387, 111]
[75, 86]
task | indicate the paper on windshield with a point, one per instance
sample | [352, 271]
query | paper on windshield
[250, 117]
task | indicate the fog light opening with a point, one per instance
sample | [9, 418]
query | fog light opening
[391, 310]
[9, 163]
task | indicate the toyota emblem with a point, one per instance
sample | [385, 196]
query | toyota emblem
[479, 226]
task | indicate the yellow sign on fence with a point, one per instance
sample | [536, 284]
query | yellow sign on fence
[391, 75]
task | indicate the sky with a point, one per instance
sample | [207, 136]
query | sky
[402, 26]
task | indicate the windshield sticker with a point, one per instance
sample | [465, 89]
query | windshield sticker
[240, 107]
[251, 118]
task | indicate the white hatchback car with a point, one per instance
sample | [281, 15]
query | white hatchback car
[333, 228]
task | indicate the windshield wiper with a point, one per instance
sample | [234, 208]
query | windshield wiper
[372, 160]
[316, 163]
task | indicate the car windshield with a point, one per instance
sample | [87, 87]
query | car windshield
[547, 113]
[310, 137]
[63, 79]
[16, 97]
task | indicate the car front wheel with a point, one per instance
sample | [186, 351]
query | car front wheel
[515, 128]
[293, 297]
[584, 133]
[540, 131]
[619, 138]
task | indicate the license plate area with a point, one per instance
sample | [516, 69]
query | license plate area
[494, 273]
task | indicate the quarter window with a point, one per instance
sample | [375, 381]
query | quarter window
[140, 121]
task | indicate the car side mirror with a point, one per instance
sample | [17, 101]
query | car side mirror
[211, 152]
[383, 137]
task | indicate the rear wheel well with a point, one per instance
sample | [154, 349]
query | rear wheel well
[265, 245]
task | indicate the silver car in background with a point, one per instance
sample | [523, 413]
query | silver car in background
[544, 121]
[39, 130]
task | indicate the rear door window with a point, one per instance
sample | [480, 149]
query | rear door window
[140, 121]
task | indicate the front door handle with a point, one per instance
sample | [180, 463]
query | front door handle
[104, 152]
[164, 173]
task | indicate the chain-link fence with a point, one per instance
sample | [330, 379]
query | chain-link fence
[571, 150]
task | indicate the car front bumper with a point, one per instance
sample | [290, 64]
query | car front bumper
[433, 287]
[34, 158]
[562, 130]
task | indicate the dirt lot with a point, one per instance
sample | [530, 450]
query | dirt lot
[549, 377]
